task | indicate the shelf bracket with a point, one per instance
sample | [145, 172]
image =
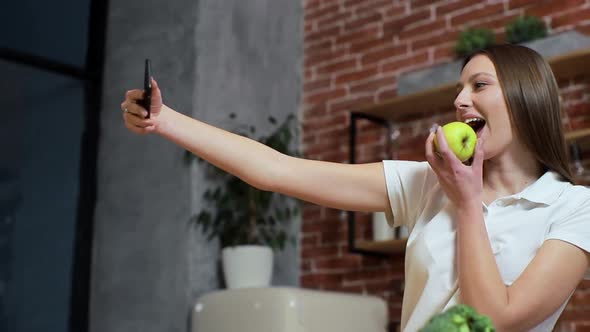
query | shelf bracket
[354, 117]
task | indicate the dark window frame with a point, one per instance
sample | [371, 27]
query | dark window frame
[91, 75]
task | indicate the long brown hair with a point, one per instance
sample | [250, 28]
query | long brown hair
[532, 97]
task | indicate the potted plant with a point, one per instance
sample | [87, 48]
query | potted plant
[249, 223]
[524, 29]
[473, 39]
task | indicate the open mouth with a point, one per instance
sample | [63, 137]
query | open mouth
[476, 123]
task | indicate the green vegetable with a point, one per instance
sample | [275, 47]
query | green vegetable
[459, 318]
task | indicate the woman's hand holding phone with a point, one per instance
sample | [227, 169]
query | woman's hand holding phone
[141, 108]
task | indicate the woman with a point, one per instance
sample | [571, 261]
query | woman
[508, 234]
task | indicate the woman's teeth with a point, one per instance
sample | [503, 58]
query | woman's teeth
[476, 123]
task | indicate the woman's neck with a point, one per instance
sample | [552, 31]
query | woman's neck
[509, 173]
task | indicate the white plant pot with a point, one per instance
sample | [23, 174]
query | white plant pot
[247, 266]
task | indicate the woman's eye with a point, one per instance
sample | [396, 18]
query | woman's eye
[478, 85]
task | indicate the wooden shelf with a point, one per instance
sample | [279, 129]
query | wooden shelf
[577, 134]
[564, 67]
[384, 247]
[570, 65]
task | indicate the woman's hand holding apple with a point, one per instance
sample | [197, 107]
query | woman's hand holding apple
[462, 183]
[461, 138]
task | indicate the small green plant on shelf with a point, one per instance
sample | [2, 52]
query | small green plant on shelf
[473, 39]
[524, 29]
[239, 214]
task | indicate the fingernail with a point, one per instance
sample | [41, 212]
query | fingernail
[434, 127]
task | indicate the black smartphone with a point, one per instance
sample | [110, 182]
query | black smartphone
[146, 102]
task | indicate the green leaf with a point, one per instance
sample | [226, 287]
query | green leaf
[203, 217]
[207, 194]
[280, 215]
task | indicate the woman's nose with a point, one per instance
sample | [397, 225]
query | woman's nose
[462, 100]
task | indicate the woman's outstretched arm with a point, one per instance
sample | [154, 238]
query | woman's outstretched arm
[348, 187]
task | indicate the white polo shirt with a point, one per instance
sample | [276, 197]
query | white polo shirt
[517, 226]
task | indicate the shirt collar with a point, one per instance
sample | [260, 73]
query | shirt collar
[546, 190]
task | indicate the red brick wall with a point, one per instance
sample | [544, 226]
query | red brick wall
[354, 52]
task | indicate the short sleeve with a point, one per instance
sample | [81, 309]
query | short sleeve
[574, 229]
[407, 184]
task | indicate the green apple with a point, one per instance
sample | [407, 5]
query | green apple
[461, 139]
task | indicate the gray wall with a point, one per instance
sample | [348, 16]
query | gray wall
[210, 58]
